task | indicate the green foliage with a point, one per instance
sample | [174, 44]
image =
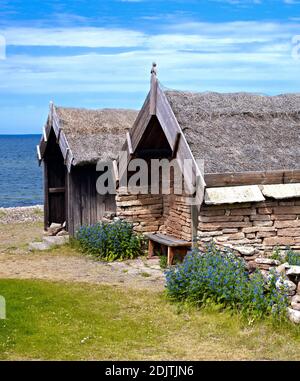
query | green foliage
[163, 261]
[293, 258]
[277, 255]
[290, 256]
[110, 242]
[215, 277]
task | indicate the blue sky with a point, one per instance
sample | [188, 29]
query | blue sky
[98, 54]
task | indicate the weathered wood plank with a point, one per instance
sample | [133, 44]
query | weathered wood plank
[141, 123]
[168, 240]
[252, 178]
[153, 95]
[129, 143]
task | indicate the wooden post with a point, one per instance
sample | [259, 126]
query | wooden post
[150, 249]
[171, 253]
[153, 90]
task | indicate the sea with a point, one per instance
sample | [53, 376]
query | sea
[20, 175]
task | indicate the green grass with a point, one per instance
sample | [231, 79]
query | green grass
[47, 320]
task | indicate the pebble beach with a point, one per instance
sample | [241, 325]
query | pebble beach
[21, 214]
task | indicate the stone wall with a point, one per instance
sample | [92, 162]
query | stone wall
[145, 211]
[176, 217]
[262, 225]
[169, 214]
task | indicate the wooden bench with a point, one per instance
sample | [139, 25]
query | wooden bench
[173, 244]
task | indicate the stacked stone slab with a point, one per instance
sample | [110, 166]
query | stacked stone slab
[169, 214]
[177, 217]
[261, 225]
[143, 210]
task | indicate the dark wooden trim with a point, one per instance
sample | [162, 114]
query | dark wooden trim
[176, 145]
[194, 218]
[46, 197]
[251, 178]
[154, 153]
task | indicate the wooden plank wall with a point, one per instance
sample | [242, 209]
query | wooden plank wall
[85, 205]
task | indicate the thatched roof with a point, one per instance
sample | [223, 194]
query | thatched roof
[94, 135]
[240, 132]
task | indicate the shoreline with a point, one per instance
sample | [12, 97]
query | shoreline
[20, 214]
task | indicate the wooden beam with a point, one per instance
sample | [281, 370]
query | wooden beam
[129, 143]
[251, 178]
[57, 190]
[176, 145]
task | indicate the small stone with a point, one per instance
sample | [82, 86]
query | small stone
[267, 261]
[286, 284]
[39, 246]
[265, 275]
[54, 225]
[293, 270]
[293, 315]
[247, 251]
[62, 233]
[56, 240]
[295, 303]
[282, 268]
[54, 229]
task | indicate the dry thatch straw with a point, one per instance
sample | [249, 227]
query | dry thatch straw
[240, 131]
[95, 134]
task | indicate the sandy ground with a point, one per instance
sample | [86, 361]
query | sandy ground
[20, 226]
[138, 273]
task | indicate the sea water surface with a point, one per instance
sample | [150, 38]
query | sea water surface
[20, 174]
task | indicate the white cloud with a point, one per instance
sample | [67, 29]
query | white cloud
[80, 37]
[224, 56]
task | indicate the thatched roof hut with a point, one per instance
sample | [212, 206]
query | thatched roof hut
[245, 155]
[73, 141]
[91, 135]
[241, 131]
